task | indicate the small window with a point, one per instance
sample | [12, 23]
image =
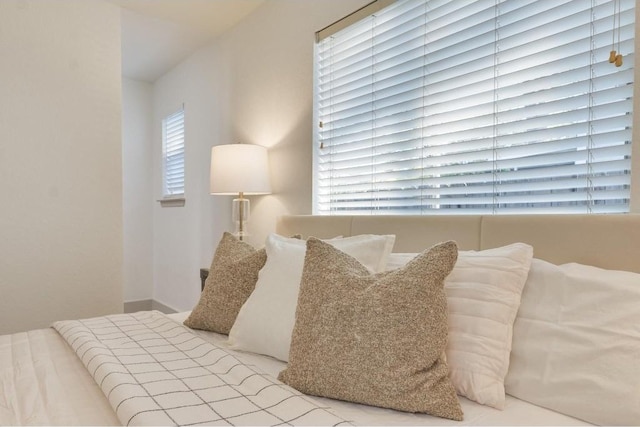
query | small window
[173, 156]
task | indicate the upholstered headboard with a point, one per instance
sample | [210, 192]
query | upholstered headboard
[606, 241]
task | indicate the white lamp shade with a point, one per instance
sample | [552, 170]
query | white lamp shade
[239, 168]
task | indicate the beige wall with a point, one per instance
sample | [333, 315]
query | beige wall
[60, 162]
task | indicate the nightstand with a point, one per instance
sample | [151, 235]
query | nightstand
[204, 273]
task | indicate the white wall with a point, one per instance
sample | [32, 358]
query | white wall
[137, 189]
[182, 235]
[60, 162]
[270, 57]
[253, 85]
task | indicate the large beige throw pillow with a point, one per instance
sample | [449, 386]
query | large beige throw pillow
[374, 339]
[232, 278]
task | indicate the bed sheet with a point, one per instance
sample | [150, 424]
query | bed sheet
[43, 382]
[516, 412]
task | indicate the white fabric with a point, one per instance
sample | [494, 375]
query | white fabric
[156, 372]
[576, 346]
[265, 321]
[483, 296]
[398, 260]
[42, 382]
[516, 412]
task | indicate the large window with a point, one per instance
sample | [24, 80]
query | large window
[173, 156]
[483, 106]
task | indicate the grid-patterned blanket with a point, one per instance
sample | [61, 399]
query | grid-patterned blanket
[154, 371]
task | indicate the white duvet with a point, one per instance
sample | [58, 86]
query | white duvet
[43, 382]
[516, 412]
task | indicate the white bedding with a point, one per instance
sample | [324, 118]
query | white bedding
[43, 382]
[516, 412]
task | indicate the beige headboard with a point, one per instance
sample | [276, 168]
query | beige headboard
[606, 241]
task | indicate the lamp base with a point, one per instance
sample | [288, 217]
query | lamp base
[240, 215]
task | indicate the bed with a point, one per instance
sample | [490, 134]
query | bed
[56, 376]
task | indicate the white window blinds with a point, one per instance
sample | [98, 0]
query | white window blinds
[173, 155]
[476, 107]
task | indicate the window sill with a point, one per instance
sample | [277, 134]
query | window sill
[176, 202]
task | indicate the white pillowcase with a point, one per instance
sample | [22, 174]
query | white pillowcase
[265, 321]
[576, 344]
[483, 296]
[400, 259]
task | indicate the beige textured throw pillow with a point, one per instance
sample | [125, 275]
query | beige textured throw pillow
[232, 278]
[374, 339]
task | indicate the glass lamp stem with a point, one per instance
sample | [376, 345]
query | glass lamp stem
[241, 215]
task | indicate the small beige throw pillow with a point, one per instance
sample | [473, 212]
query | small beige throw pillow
[374, 339]
[232, 278]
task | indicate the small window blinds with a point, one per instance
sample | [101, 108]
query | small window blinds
[173, 155]
[476, 107]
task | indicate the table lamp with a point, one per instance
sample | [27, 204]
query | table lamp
[241, 169]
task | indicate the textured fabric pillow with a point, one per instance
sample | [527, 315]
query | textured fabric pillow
[374, 339]
[576, 343]
[483, 295]
[265, 321]
[232, 278]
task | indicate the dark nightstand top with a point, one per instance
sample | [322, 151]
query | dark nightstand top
[204, 273]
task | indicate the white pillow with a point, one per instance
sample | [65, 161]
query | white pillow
[576, 344]
[398, 260]
[265, 321]
[483, 296]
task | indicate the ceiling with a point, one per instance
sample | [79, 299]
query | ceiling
[158, 34]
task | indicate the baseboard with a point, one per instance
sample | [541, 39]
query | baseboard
[156, 305]
[146, 305]
[134, 306]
